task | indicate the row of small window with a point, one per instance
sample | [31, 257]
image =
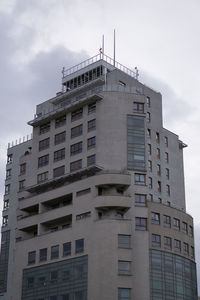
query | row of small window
[158, 153]
[141, 223]
[155, 219]
[158, 169]
[66, 251]
[80, 295]
[149, 135]
[61, 137]
[140, 179]
[61, 121]
[156, 242]
[139, 106]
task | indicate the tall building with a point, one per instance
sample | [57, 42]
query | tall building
[94, 205]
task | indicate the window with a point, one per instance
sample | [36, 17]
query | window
[60, 138]
[166, 221]
[77, 114]
[150, 197]
[59, 155]
[53, 276]
[177, 245]
[140, 223]
[124, 241]
[76, 165]
[83, 216]
[31, 257]
[83, 192]
[91, 142]
[158, 170]
[91, 125]
[148, 117]
[45, 128]
[167, 242]
[191, 231]
[42, 177]
[148, 100]
[43, 254]
[149, 149]
[76, 131]
[91, 160]
[156, 240]
[65, 297]
[140, 200]
[59, 171]
[76, 148]
[158, 153]
[140, 179]
[44, 144]
[5, 220]
[7, 189]
[91, 108]
[6, 204]
[61, 121]
[167, 173]
[186, 248]
[149, 133]
[66, 274]
[124, 294]
[43, 161]
[176, 223]
[67, 249]
[138, 107]
[192, 252]
[155, 218]
[53, 298]
[166, 157]
[159, 186]
[22, 169]
[166, 141]
[124, 267]
[150, 165]
[157, 137]
[21, 185]
[30, 282]
[41, 281]
[8, 173]
[150, 183]
[54, 251]
[9, 158]
[79, 246]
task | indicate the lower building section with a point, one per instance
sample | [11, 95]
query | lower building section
[172, 277]
[5, 242]
[63, 280]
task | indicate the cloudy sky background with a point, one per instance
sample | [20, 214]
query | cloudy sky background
[161, 38]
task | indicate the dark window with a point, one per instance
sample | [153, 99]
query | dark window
[140, 223]
[91, 125]
[54, 251]
[5, 220]
[91, 142]
[54, 276]
[148, 133]
[59, 155]
[76, 148]
[30, 282]
[7, 189]
[156, 240]
[148, 99]
[166, 141]
[65, 297]
[22, 169]
[83, 216]
[76, 131]
[67, 249]
[83, 192]
[9, 158]
[60, 138]
[140, 200]
[76, 165]
[59, 171]
[61, 121]
[66, 274]
[42, 177]
[166, 157]
[8, 173]
[192, 252]
[150, 183]
[31, 257]
[43, 254]
[166, 221]
[158, 153]
[150, 165]
[186, 248]
[159, 186]
[43, 160]
[176, 223]
[148, 117]
[44, 144]
[158, 170]
[124, 294]
[91, 160]
[41, 280]
[77, 114]
[168, 189]
[6, 204]
[45, 128]
[92, 108]
[177, 245]
[21, 185]
[149, 149]
[79, 246]
[138, 107]
[140, 179]
[124, 241]
[191, 231]
[167, 242]
[167, 173]
[157, 137]
[155, 218]
[124, 267]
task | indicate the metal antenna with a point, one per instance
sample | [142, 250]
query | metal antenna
[114, 47]
[103, 44]
[136, 73]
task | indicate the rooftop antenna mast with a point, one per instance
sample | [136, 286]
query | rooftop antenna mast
[103, 45]
[114, 49]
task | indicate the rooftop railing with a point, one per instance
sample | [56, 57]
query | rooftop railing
[98, 57]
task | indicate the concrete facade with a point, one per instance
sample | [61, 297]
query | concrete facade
[99, 194]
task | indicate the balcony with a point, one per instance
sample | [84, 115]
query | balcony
[110, 201]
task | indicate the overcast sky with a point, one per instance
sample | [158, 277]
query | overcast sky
[161, 38]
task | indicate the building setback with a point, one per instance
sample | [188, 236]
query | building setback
[94, 204]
